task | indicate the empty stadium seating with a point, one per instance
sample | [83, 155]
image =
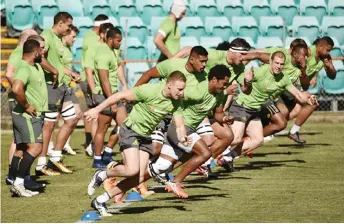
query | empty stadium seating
[218, 27]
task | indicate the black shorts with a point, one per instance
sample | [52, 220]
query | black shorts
[243, 114]
[70, 96]
[56, 97]
[172, 139]
[128, 138]
[27, 129]
[269, 109]
[287, 99]
[87, 93]
[99, 98]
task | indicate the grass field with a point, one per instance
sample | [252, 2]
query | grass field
[282, 183]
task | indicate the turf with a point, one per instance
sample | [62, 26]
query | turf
[281, 183]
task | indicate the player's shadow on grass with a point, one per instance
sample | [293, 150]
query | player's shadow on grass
[259, 165]
[303, 133]
[138, 210]
[274, 153]
[308, 145]
[200, 197]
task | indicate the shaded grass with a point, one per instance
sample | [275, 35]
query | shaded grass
[282, 183]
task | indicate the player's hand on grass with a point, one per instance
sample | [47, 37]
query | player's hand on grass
[91, 114]
[31, 110]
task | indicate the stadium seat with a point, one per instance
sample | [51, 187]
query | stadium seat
[74, 7]
[153, 51]
[218, 27]
[257, 8]
[336, 50]
[93, 8]
[123, 8]
[77, 52]
[245, 26]
[210, 42]
[248, 40]
[192, 26]
[155, 24]
[334, 27]
[230, 8]
[264, 42]
[286, 9]
[21, 15]
[272, 26]
[188, 41]
[306, 26]
[135, 71]
[317, 8]
[44, 8]
[335, 86]
[114, 21]
[336, 7]
[84, 24]
[288, 40]
[136, 28]
[203, 8]
[148, 9]
[135, 49]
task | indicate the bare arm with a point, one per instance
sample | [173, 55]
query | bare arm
[147, 76]
[90, 79]
[121, 77]
[48, 67]
[159, 42]
[10, 73]
[247, 85]
[180, 129]
[228, 101]
[18, 89]
[298, 95]
[304, 79]
[221, 118]
[104, 82]
[329, 68]
[251, 55]
[183, 53]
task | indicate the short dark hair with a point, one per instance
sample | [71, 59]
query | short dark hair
[104, 27]
[199, 50]
[223, 46]
[297, 41]
[30, 45]
[62, 16]
[36, 37]
[220, 72]
[299, 47]
[112, 32]
[75, 29]
[240, 42]
[328, 40]
[279, 54]
[176, 75]
[101, 17]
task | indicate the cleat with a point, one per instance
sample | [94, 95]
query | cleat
[20, 191]
[31, 185]
[45, 171]
[99, 164]
[227, 163]
[100, 207]
[94, 183]
[9, 180]
[89, 150]
[69, 150]
[33, 193]
[59, 166]
[107, 158]
[203, 171]
[296, 138]
[210, 172]
[176, 189]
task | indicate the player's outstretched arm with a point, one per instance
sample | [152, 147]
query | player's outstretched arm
[90, 78]
[302, 98]
[183, 53]
[252, 55]
[147, 76]
[329, 68]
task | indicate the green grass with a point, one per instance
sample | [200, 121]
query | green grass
[282, 183]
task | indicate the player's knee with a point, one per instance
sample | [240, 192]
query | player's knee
[281, 124]
[132, 171]
[236, 140]
[208, 139]
[69, 115]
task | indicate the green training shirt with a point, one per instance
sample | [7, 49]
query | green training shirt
[67, 59]
[313, 65]
[14, 60]
[91, 38]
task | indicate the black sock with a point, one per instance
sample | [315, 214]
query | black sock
[88, 137]
[14, 167]
[233, 153]
[25, 164]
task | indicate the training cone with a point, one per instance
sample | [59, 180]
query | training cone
[212, 164]
[170, 176]
[133, 196]
[90, 216]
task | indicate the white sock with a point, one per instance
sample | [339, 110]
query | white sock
[42, 161]
[18, 181]
[51, 145]
[56, 156]
[227, 150]
[103, 198]
[108, 149]
[97, 157]
[208, 161]
[295, 129]
[103, 175]
[67, 143]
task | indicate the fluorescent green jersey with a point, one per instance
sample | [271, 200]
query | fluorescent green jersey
[289, 69]
[151, 106]
[197, 104]
[90, 38]
[55, 49]
[265, 85]
[170, 31]
[106, 59]
[217, 57]
[90, 54]
[14, 60]
[36, 92]
[166, 67]
[313, 65]
[67, 62]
